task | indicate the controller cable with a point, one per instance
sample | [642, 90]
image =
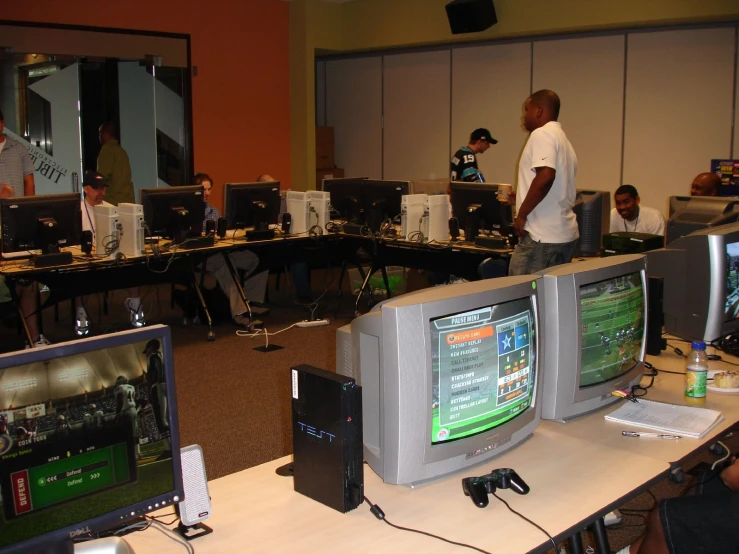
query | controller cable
[379, 514]
[523, 517]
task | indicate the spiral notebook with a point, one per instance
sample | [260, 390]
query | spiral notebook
[686, 421]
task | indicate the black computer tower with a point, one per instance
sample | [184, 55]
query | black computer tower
[327, 437]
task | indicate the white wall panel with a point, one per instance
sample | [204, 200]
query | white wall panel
[588, 76]
[354, 110]
[417, 115]
[679, 92]
[489, 87]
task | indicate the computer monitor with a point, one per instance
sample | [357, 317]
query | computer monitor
[430, 186]
[346, 198]
[595, 338]
[593, 212]
[255, 205]
[701, 288]
[176, 213]
[476, 207]
[701, 212]
[46, 223]
[381, 200]
[677, 204]
[449, 376]
[86, 442]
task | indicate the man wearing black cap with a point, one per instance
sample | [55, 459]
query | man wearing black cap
[95, 187]
[464, 162]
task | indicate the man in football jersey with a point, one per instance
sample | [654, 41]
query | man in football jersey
[464, 162]
[126, 413]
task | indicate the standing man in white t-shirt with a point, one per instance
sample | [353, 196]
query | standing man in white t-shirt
[629, 217]
[545, 223]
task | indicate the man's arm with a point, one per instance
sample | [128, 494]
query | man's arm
[730, 475]
[540, 187]
[29, 185]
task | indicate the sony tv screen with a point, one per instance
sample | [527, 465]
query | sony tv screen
[484, 368]
[731, 310]
[612, 316]
[81, 436]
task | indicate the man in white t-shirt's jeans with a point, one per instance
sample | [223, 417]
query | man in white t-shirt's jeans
[545, 223]
[629, 217]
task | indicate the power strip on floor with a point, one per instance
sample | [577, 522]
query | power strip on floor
[314, 323]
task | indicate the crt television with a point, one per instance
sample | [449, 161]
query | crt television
[41, 222]
[85, 442]
[593, 212]
[449, 376]
[174, 212]
[700, 212]
[701, 287]
[595, 341]
[476, 206]
[254, 205]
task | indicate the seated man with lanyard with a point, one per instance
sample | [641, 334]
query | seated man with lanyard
[254, 287]
[94, 186]
[629, 217]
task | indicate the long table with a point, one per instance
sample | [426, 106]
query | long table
[578, 471]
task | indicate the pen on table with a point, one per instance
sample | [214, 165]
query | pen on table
[653, 435]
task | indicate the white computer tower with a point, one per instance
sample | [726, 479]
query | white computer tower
[107, 231]
[319, 208]
[298, 206]
[438, 210]
[412, 208]
[131, 217]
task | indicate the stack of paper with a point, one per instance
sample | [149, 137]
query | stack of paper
[686, 421]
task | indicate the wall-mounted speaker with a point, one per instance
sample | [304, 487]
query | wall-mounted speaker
[195, 507]
[470, 16]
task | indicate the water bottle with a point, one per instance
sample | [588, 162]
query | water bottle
[696, 372]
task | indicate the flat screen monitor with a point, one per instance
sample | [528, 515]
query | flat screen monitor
[701, 212]
[346, 198]
[176, 213]
[476, 207]
[596, 329]
[449, 376]
[46, 223]
[86, 441]
[381, 200]
[252, 205]
[701, 293]
[593, 212]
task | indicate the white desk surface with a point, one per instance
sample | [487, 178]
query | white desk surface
[667, 387]
[258, 511]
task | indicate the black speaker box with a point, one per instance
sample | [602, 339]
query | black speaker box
[470, 16]
[327, 437]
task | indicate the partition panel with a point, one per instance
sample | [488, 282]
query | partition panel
[679, 96]
[416, 93]
[588, 76]
[320, 94]
[489, 87]
[354, 110]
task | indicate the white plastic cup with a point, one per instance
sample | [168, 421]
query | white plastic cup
[504, 192]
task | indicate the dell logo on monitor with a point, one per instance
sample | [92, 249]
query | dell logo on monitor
[79, 532]
[315, 432]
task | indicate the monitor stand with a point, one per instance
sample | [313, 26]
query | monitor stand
[107, 545]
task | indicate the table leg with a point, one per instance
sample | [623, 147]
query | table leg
[387, 283]
[239, 288]
[17, 303]
[196, 286]
[575, 543]
[601, 536]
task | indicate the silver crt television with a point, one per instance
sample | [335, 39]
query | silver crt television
[449, 376]
[701, 287]
[594, 313]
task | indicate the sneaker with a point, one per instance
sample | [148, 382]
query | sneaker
[40, 341]
[137, 318]
[82, 323]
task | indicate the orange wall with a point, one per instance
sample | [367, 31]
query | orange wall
[241, 95]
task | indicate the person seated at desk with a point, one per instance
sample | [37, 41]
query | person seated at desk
[706, 522]
[245, 260]
[27, 292]
[705, 184]
[628, 216]
[95, 186]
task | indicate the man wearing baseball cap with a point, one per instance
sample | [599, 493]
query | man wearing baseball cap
[464, 162]
[95, 187]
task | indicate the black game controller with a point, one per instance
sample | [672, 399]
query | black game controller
[478, 488]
